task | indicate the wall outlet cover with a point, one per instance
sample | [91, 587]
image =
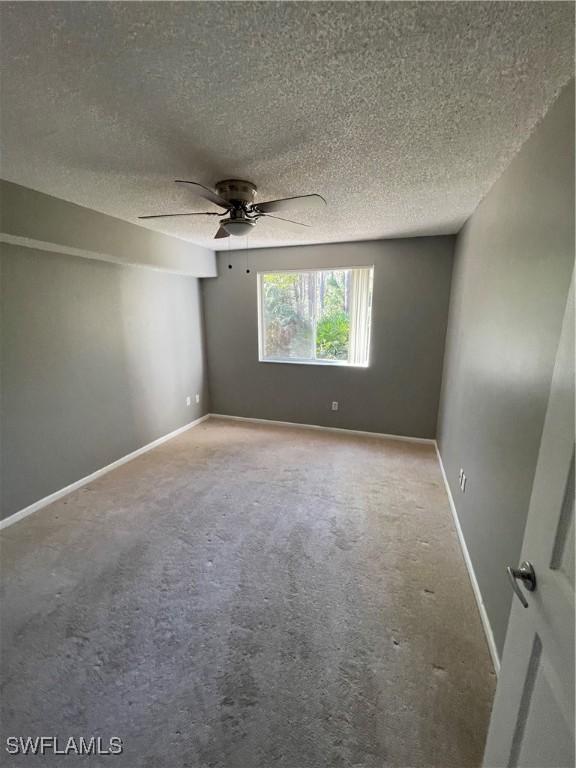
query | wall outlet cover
[334, 405]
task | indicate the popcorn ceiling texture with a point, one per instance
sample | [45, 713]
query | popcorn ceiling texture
[401, 114]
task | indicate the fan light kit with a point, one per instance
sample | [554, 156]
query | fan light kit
[238, 227]
[238, 199]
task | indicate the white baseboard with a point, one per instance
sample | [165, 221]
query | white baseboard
[473, 580]
[271, 422]
[22, 513]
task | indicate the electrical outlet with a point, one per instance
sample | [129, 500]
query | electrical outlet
[188, 401]
[334, 405]
[461, 473]
[197, 398]
[463, 483]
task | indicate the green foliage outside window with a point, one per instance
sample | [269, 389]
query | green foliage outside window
[332, 335]
[288, 301]
[298, 303]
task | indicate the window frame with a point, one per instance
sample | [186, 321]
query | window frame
[307, 361]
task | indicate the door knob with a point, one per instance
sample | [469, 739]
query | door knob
[526, 575]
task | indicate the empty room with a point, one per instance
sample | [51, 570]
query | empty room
[287, 384]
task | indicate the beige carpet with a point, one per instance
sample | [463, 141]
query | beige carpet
[249, 596]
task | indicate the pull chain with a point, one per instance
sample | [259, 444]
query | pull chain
[246, 264]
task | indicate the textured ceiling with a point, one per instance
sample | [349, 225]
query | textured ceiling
[401, 115]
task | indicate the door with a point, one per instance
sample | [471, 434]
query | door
[532, 720]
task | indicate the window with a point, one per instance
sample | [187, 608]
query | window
[315, 316]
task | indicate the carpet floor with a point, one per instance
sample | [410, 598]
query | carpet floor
[249, 596]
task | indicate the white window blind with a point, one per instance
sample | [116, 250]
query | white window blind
[320, 316]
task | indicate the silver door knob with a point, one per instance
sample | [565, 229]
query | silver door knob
[526, 575]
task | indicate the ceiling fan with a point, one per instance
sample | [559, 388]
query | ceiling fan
[238, 199]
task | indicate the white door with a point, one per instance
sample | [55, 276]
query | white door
[533, 716]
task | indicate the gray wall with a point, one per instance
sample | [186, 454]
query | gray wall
[33, 218]
[97, 360]
[398, 393]
[512, 270]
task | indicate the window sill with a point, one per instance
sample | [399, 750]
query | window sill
[325, 363]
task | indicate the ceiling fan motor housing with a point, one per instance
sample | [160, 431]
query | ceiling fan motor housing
[237, 191]
[241, 195]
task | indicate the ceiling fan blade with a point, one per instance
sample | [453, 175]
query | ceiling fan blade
[299, 223]
[165, 215]
[221, 233]
[302, 202]
[206, 193]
